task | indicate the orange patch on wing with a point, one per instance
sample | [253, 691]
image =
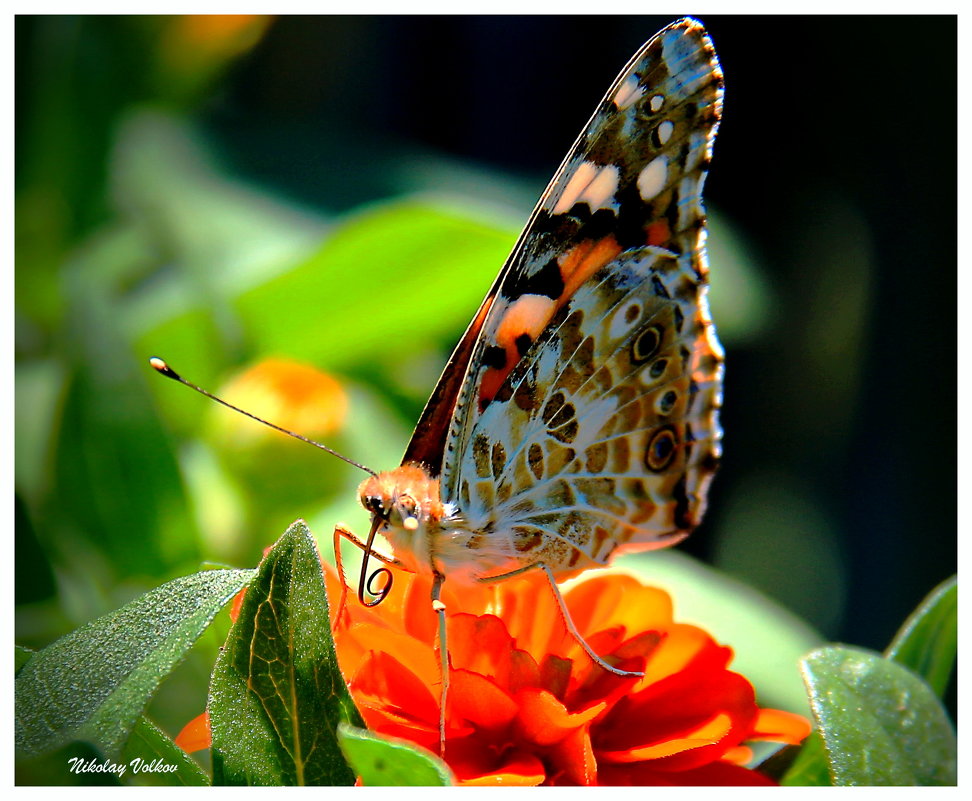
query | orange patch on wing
[477, 323]
[657, 233]
[529, 315]
[489, 384]
[583, 260]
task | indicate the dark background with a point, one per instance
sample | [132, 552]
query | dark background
[834, 170]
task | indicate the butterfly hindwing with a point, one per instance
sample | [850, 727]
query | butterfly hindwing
[606, 434]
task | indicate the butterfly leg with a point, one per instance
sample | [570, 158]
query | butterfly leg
[440, 610]
[571, 628]
[338, 563]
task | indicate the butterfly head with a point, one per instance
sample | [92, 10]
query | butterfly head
[407, 501]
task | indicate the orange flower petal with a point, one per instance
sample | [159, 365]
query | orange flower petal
[478, 700]
[780, 726]
[709, 733]
[237, 604]
[529, 609]
[195, 735]
[714, 774]
[616, 598]
[357, 643]
[481, 645]
[678, 707]
[543, 720]
[740, 755]
[573, 760]
[684, 645]
[381, 676]
[519, 770]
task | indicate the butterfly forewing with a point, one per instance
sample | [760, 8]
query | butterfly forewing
[633, 177]
[587, 417]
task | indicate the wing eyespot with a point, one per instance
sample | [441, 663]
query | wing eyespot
[661, 449]
[647, 344]
[667, 402]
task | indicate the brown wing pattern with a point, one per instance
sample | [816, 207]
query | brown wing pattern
[606, 435]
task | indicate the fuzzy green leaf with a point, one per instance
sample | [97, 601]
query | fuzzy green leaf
[93, 683]
[880, 724]
[277, 695]
[154, 759]
[380, 762]
[927, 641]
[809, 767]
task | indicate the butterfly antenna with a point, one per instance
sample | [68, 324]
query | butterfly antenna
[162, 367]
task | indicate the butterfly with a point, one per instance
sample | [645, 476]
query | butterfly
[577, 418]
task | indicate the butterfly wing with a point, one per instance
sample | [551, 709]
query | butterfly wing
[626, 203]
[605, 436]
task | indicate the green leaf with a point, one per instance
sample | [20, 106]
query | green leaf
[926, 644]
[93, 683]
[154, 759]
[21, 657]
[277, 694]
[381, 762]
[161, 761]
[809, 768]
[927, 641]
[881, 724]
[414, 244]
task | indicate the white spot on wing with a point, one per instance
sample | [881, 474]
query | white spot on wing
[651, 179]
[600, 192]
[628, 92]
[620, 325]
[656, 102]
[589, 184]
[528, 314]
[665, 131]
[583, 175]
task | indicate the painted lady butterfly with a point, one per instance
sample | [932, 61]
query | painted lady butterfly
[578, 416]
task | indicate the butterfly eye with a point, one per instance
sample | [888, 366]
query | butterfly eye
[374, 504]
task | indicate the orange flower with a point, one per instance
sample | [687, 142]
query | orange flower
[527, 706]
[194, 41]
[288, 393]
